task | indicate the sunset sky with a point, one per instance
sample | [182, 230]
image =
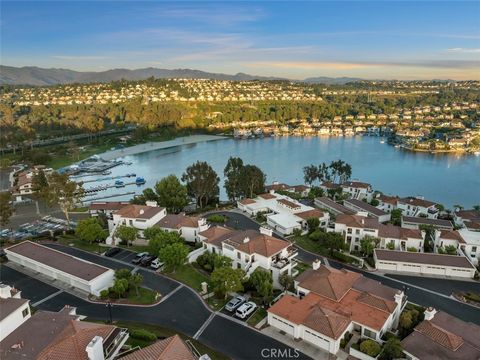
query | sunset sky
[373, 40]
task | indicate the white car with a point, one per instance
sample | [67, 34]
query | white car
[156, 264]
[245, 310]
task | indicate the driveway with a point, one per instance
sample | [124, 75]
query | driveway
[181, 310]
[420, 290]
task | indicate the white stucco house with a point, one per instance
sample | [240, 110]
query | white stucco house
[14, 310]
[466, 242]
[358, 190]
[418, 207]
[251, 249]
[70, 270]
[330, 302]
[189, 227]
[283, 213]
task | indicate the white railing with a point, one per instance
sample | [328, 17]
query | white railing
[193, 255]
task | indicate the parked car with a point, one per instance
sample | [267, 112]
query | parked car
[156, 264]
[235, 303]
[245, 310]
[112, 251]
[139, 257]
[147, 260]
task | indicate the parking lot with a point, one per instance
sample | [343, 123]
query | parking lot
[48, 225]
[125, 255]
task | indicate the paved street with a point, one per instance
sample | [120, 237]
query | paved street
[420, 290]
[182, 310]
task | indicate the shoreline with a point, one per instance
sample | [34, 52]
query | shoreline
[157, 145]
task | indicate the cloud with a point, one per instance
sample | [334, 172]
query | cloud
[80, 57]
[463, 50]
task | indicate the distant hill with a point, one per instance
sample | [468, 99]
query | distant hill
[31, 75]
[330, 80]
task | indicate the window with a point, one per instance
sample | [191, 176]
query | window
[239, 255]
[357, 231]
[25, 312]
[369, 333]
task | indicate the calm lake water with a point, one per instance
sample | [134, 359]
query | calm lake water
[447, 179]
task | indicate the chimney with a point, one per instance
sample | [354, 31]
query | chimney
[246, 239]
[142, 211]
[398, 297]
[95, 349]
[151, 203]
[316, 264]
[265, 231]
[430, 313]
[5, 291]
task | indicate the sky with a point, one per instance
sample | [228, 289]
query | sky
[371, 40]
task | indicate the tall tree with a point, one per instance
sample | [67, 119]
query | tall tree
[135, 281]
[126, 234]
[226, 279]
[232, 172]
[173, 256]
[63, 192]
[263, 282]
[171, 194]
[90, 230]
[162, 239]
[6, 208]
[202, 182]
[310, 174]
[252, 181]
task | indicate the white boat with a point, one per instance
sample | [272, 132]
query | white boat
[382, 141]
[477, 153]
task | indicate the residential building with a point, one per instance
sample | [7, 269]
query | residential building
[251, 249]
[358, 190]
[442, 336]
[106, 207]
[283, 213]
[330, 302]
[60, 335]
[411, 222]
[172, 347]
[24, 182]
[418, 206]
[465, 241]
[140, 217]
[78, 273]
[186, 226]
[14, 310]
[328, 185]
[387, 203]
[332, 206]
[355, 227]
[468, 218]
[423, 264]
[362, 206]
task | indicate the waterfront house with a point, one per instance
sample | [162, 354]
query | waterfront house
[283, 213]
[140, 217]
[332, 206]
[186, 226]
[329, 303]
[411, 222]
[468, 218]
[358, 190]
[251, 249]
[442, 336]
[387, 203]
[106, 207]
[362, 206]
[466, 242]
[418, 207]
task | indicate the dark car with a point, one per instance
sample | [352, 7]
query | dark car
[147, 260]
[139, 257]
[112, 251]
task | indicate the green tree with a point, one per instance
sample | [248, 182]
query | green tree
[173, 256]
[367, 245]
[151, 232]
[123, 274]
[126, 234]
[63, 192]
[226, 279]
[396, 217]
[135, 281]
[221, 261]
[6, 208]
[370, 347]
[450, 250]
[232, 174]
[390, 245]
[263, 282]
[252, 181]
[162, 239]
[171, 194]
[334, 242]
[313, 224]
[202, 182]
[39, 183]
[90, 230]
[286, 280]
[120, 287]
[310, 174]
[392, 349]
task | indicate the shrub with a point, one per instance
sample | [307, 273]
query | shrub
[344, 258]
[217, 218]
[412, 249]
[104, 294]
[143, 335]
[316, 235]
[370, 347]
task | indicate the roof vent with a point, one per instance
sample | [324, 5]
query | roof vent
[246, 239]
[142, 211]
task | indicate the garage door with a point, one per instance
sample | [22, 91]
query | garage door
[282, 325]
[316, 340]
[387, 265]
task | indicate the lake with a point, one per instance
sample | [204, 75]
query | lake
[444, 178]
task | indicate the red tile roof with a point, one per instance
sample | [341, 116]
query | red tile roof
[171, 348]
[139, 211]
[174, 221]
[314, 213]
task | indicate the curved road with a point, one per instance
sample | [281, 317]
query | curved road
[420, 290]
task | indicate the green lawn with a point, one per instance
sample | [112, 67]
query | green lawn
[72, 239]
[308, 244]
[187, 274]
[216, 304]
[257, 316]
[145, 296]
[161, 333]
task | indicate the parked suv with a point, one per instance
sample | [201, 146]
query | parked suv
[139, 257]
[112, 251]
[156, 264]
[147, 260]
[245, 310]
[234, 303]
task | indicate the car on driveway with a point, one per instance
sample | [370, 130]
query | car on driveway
[235, 303]
[112, 251]
[138, 258]
[147, 260]
[245, 310]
